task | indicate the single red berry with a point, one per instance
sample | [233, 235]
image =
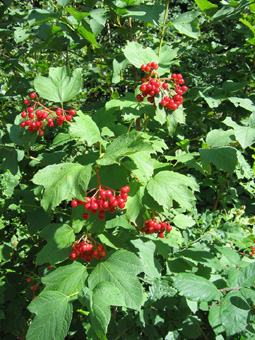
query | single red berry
[23, 114]
[26, 101]
[161, 235]
[31, 115]
[251, 255]
[74, 203]
[252, 247]
[184, 88]
[85, 216]
[72, 112]
[59, 122]
[34, 296]
[45, 115]
[165, 86]
[62, 118]
[28, 279]
[253, 252]
[69, 118]
[168, 227]
[147, 68]
[142, 87]
[49, 267]
[143, 67]
[32, 95]
[23, 124]
[173, 75]
[58, 112]
[30, 109]
[34, 288]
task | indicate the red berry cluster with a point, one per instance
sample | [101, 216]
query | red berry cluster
[39, 116]
[152, 226]
[252, 251]
[153, 85]
[86, 249]
[102, 200]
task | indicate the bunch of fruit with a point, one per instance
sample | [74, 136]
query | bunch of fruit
[38, 117]
[86, 249]
[152, 226]
[170, 89]
[104, 199]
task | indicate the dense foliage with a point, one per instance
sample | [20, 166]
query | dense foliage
[124, 214]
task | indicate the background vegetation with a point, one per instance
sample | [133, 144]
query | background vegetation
[193, 166]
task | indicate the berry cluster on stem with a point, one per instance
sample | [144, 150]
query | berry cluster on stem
[38, 117]
[153, 226]
[171, 89]
[86, 248]
[104, 199]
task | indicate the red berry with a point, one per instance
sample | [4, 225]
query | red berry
[30, 109]
[161, 235]
[62, 118]
[28, 279]
[58, 112]
[253, 252]
[74, 203]
[23, 124]
[69, 118]
[34, 288]
[142, 87]
[32, 95]
[49, 267]
[147, 68]
[26, 101]
[165, 86]
[125, 189]
[154, 65]
[184, 88]
[168, 227]
[252, 247]
[251, 255]
[72, 112]
[85, 216]
[59, 122]
[143, 67]
[34, 296]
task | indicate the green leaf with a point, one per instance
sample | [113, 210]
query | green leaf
[147, 255]
[247, 276]
[211, 101]
[187, 24]
[60, 86]
[244, 134]
[68, 279]
[21, 34]
[207, 7]
[234, 313]
[152, 14]
[144, 164]
[9, 182]
[231, 86]
[196, 288]
[121, 269]
[137, 55]
[124, 145]
[215, 319]
[183, 222]
[63, 3]
[61, 182]
[86, 33]
[105, 294]
[85, 129]
[168, 185]
[53, 316]
[217, 138]
[175, 118]
[242, 102]
[224, 158]
[59, 240]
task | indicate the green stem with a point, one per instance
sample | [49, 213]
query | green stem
[130, 125]
[163, 29]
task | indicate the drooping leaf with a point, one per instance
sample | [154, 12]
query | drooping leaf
[124, 145]
[187, 24]
[196, 288]
[121, 269]
[85, 129]
[137, 55]
[168, 185]
[60, 86]
[217, 138]
[59, 240]
[234, 312]
[53, 316]
[69, 279]
[62, 181]
[104, 295]
[224, 158]
[147, 255]
[244, 134]
[206, 6]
